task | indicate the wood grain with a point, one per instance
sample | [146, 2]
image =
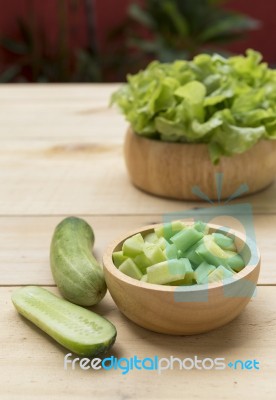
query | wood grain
[61, 154]
[172, 170]
[31, 364]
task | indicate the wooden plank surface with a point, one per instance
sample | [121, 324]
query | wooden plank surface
[32, 364]
[61, 154]
[25, 241]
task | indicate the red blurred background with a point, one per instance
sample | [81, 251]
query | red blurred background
[109, 13]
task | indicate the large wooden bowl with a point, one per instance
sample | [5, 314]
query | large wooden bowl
[173, 169]
[184, 310]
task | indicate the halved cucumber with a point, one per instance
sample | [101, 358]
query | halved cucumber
[79, 330]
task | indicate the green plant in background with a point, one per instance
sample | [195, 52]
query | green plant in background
[36, 63]
[177, 29]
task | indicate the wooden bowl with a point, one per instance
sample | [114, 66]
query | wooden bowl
[183, 310]
[173, 169]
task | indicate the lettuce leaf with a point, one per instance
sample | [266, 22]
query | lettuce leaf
[228, 103]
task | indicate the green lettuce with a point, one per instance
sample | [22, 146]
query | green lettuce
[227, 103]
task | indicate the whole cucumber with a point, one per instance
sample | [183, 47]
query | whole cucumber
[75, 270]
[79, 330]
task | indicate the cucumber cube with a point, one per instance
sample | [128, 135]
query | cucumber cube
[169, 229]
[192, 255]
[189, 278]
[202, 272]
[186, 238]
[210, 252]
[223, 241]
[162, 243]
[201, 227]
[151, 238]
[167, 271]
[171, 251]
[219, 274]
[154, 253]
[130, 268]
[118, 258]
[133, 245]
[235, 261]
[144, 278]
[142, 262]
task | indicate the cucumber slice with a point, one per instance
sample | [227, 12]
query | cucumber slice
[168, 271]
[169, 229]
[154, 253]
[186, 238]
[223, 241]
[130, 268]
[219, 274]
[202, 272]
[118, 258]
[79, 330]
[133, 245]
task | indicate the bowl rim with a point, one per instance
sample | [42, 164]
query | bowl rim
[249, 268]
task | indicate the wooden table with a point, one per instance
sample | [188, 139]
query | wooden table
[61, 154]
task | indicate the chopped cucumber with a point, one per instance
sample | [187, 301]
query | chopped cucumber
[118, 258]
[154, 253]
[192, 255]
[235, 261]
[175, 254]
[203, 271]
[219, 274]
[130, 268]
[223, 241]
[142, 262]
[210, 252]
[151, 237]
[133, 245]
[144, 278]
[186, 238]
[171, 252]
[167, 271]
[169, 229]
[201, 227]
[162, 243]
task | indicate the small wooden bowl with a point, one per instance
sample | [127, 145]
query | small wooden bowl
[183, 310]
[173, 169]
